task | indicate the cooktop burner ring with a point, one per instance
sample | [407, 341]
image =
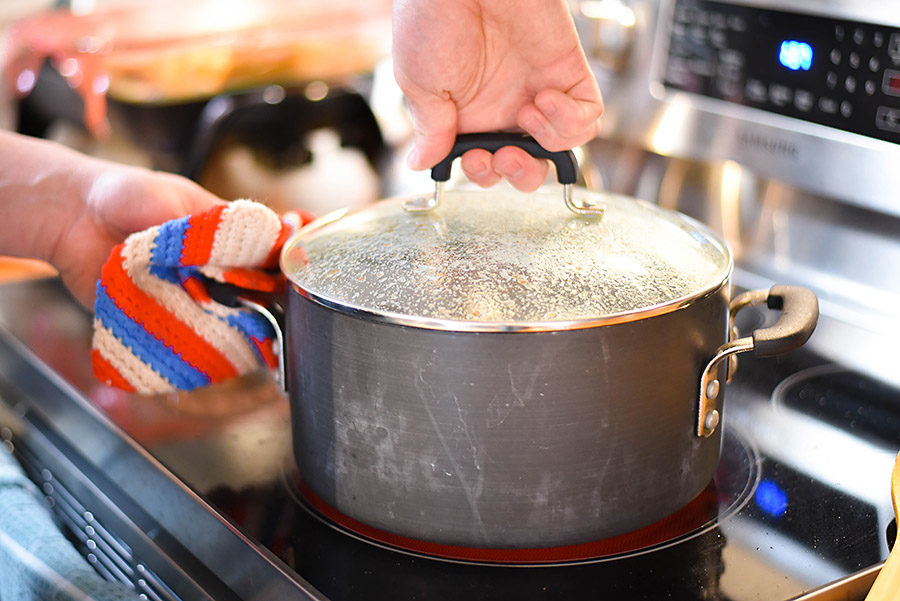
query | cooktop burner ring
[732, 487]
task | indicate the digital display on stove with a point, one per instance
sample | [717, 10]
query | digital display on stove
[834, 72]
[795, 55]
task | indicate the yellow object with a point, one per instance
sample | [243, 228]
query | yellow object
[887, 585]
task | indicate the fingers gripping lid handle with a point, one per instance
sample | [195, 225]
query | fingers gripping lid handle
[564, 161]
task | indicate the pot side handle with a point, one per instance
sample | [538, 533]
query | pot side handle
[799, 314]
[269, 305]
[564, 161]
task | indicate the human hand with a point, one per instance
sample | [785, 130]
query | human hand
[487, 65]
[120, 201]
[70, 209]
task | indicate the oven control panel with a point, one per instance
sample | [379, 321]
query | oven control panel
[830, 71]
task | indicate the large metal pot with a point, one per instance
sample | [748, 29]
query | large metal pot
[502, 371]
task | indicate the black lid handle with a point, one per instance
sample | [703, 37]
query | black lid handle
[564, 161]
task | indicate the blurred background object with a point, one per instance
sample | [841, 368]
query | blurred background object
[186, 87]
[288, 102]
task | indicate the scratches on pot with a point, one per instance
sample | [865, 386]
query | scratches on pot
[525, 383]
[472, 490]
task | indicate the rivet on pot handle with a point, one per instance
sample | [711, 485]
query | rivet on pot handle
[799, 314]
[566, 168]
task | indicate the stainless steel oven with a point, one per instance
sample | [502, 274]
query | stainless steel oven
[778, 123]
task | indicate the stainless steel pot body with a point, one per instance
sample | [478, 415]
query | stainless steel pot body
[503, 439]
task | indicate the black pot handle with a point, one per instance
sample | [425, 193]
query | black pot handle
[564, 161]
[799, 315]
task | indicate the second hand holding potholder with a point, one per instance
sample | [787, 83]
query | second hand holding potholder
[156, 327]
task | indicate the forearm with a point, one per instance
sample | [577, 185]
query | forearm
[43, 187]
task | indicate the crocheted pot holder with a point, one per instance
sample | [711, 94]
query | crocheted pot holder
[156, 328]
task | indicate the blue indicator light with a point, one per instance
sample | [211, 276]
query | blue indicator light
[771, 499]
[796, 56]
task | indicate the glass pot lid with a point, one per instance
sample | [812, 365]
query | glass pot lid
[500, 259]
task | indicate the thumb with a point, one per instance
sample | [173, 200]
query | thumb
[435, 127]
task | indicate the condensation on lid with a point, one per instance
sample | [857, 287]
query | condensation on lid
[501, 256]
